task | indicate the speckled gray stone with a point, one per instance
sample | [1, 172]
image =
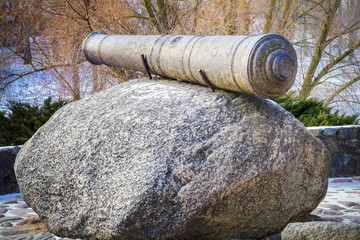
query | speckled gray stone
[348, 203]
[321, 230]
[10, 218]
[330, 131]
[10, 202]
[39, 236]
[6, 224]
[320, 211]
[167, 160]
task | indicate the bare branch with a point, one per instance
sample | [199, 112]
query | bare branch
[327, 68]
[347, 30]
[18, 76]
[337, 91]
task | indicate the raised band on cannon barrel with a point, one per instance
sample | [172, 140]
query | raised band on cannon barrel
[262, 65]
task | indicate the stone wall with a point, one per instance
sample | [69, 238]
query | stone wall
[8, 182]
[343, 143]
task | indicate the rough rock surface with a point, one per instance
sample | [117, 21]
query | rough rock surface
[168, 160]
[321, 230]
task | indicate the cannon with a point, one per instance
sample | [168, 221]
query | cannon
[262, 65]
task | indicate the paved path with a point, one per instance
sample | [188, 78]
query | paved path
[342, 201]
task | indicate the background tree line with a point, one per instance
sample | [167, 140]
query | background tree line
[47, 35]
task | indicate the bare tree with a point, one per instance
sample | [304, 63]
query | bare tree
[56, 31]
[47, 35]
[325, 62]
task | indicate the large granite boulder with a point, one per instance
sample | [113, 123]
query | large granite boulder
[168, 160]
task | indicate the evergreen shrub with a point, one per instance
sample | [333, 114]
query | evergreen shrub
[311, 112]
[24, 119]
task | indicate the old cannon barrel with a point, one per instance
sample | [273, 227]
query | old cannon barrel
[262, 65]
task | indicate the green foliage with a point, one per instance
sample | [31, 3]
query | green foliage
[311, 112]
[24, 119]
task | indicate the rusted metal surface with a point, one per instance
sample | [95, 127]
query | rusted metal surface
[146, 66]
[262, 65]
[206, 80]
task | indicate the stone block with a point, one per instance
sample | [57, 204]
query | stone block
[344, 165]
[348, 132]
[321, 230]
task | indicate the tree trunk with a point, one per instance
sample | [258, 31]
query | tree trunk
[75, 78]
[269, 17]
[285, 16]
[95, 77]
[305, 90]
[245, 17]
[26, 50]
[162, 16]
[229, 20]
[308, 84]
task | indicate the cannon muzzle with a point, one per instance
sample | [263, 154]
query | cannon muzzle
[262, 65]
